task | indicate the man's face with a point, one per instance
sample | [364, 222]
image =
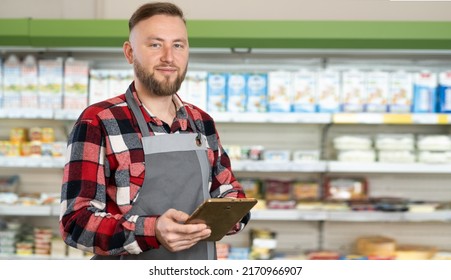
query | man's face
[160, 53]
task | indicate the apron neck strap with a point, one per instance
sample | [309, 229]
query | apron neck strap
[131, 102]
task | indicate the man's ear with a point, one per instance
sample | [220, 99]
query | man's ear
[128, 51]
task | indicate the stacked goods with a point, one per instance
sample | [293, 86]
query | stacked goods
[42, 241]
[376, 247]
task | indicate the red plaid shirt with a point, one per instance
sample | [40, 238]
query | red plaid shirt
[105, 170]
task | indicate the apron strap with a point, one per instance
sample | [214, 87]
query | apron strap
[137, 112]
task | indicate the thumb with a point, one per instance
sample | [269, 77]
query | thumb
[178, 216]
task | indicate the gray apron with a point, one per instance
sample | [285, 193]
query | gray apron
[177, 176]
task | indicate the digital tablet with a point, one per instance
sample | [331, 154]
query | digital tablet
[221, 214]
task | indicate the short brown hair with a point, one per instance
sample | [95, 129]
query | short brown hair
[152, 9]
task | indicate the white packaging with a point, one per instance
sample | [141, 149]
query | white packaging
[305, 91]
[12, 82]
[328, 91]
[377, 91]
[257, 93]
[196, 89]
[50, 83]
[119, 81]
[395, 142]
[98, 85]
[353, 92]
[236, 92]
[30, 91]
[400, 95]
[279, 91]
[76, 77]
[216, 92]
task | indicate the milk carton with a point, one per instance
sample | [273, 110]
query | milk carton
[305, 91]
[195, 89]
[424, 92]
[119, 81]
[216, 92]
[279, 91]
[444, 92]
[329, 91]
[236, 92]
[377, 91]
[257, 92]
[76, 77]
[98, 85]
[12, 82]
[30, 91]
[400, 92]
[353, 92]
[50, 83]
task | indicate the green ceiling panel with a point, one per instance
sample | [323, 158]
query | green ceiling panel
[237, 33]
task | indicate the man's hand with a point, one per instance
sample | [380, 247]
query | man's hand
[176, 236]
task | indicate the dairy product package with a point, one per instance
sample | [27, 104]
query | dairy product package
[279, 91]
[305, 91]
[1, 83]
[400, 95]
[50, 83]
[444, 92]
[12, 82]
[353, 92]
[424, 92]
[76, 77]
[216, 92]
[377, 91]
[119, 81]
[195, 90]
[29, 73]
[236, 92]
[257, 92]
[98, 85]
[328, 91]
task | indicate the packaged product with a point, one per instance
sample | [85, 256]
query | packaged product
[263, 244]
[395, 142]
[18, 134]
[306, 155]
[30, 92]
[280, 91]
[377, 91]
[434, 142]
[98, 85]
[353, 142]
[76, 78]
[376, 247]
[353, 92]
[195, 88]
[400, 97]
[51, 76]
[346, 188]
[119, 80]
[424, 92]
[12, 82]
[216, 92]
[306, 191]
[257, 92]
[236, 92]
[305, 91]
[444, 92]
[329, 91]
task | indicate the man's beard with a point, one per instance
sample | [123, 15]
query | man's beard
[164, 88]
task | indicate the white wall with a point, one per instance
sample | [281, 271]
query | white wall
[418, 10]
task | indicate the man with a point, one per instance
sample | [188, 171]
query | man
[141, 162]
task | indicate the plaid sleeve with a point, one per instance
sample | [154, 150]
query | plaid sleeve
[89, 221]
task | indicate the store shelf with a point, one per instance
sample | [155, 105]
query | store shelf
[278, 166]
[350, 216]
[32, 162]
[391, 118]
[19, 210]
[306, 118]
[28, 113]
[380, 167]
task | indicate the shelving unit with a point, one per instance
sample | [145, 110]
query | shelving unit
[266, 45]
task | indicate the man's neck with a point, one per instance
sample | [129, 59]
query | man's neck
[161, 106]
